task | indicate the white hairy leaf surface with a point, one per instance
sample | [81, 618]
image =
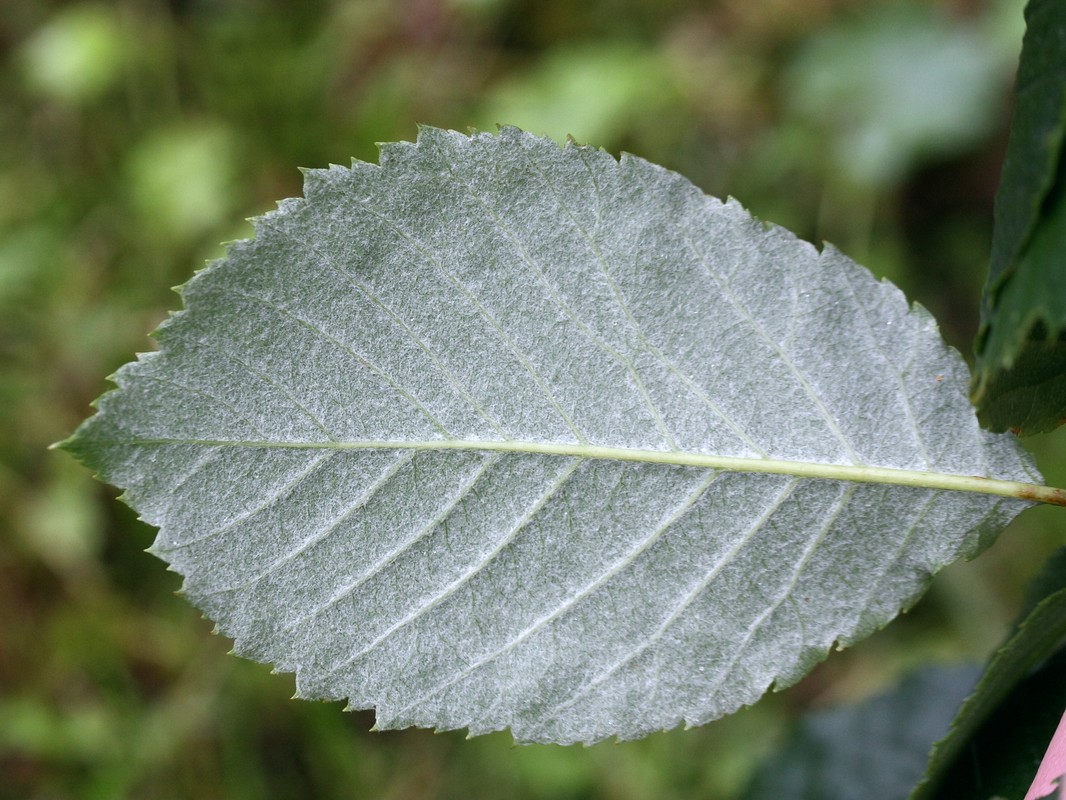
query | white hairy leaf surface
[502, 434]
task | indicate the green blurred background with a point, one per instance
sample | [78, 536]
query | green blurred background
[137, 134]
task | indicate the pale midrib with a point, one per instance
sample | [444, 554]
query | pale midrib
[800, 469]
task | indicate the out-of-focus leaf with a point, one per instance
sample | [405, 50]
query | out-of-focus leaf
[77, 55]
[181, 180]
[587, 92]
[896, 85]
[992, 718]
[61, 523]
[874, 750]
[506, 434]
[1020, 378]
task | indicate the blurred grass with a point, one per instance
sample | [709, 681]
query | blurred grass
[136, 134]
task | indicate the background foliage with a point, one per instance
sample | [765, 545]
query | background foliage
[135, 134]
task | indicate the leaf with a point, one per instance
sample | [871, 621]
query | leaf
[1003, 758]
[874, 750]
[1039, 632]
[503, 434]
[592, 90]
[895, 85]
[1020, 376]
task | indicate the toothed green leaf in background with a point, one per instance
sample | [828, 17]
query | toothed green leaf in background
[500, 434]
[1010, 689]
[875, 750]
[1020, 376]
[1002, 758]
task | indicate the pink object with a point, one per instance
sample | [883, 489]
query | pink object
[1048, 778]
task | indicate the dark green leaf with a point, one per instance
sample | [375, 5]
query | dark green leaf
[1020, 378]
[1002, 758]
[986, 720]
[874, 750]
